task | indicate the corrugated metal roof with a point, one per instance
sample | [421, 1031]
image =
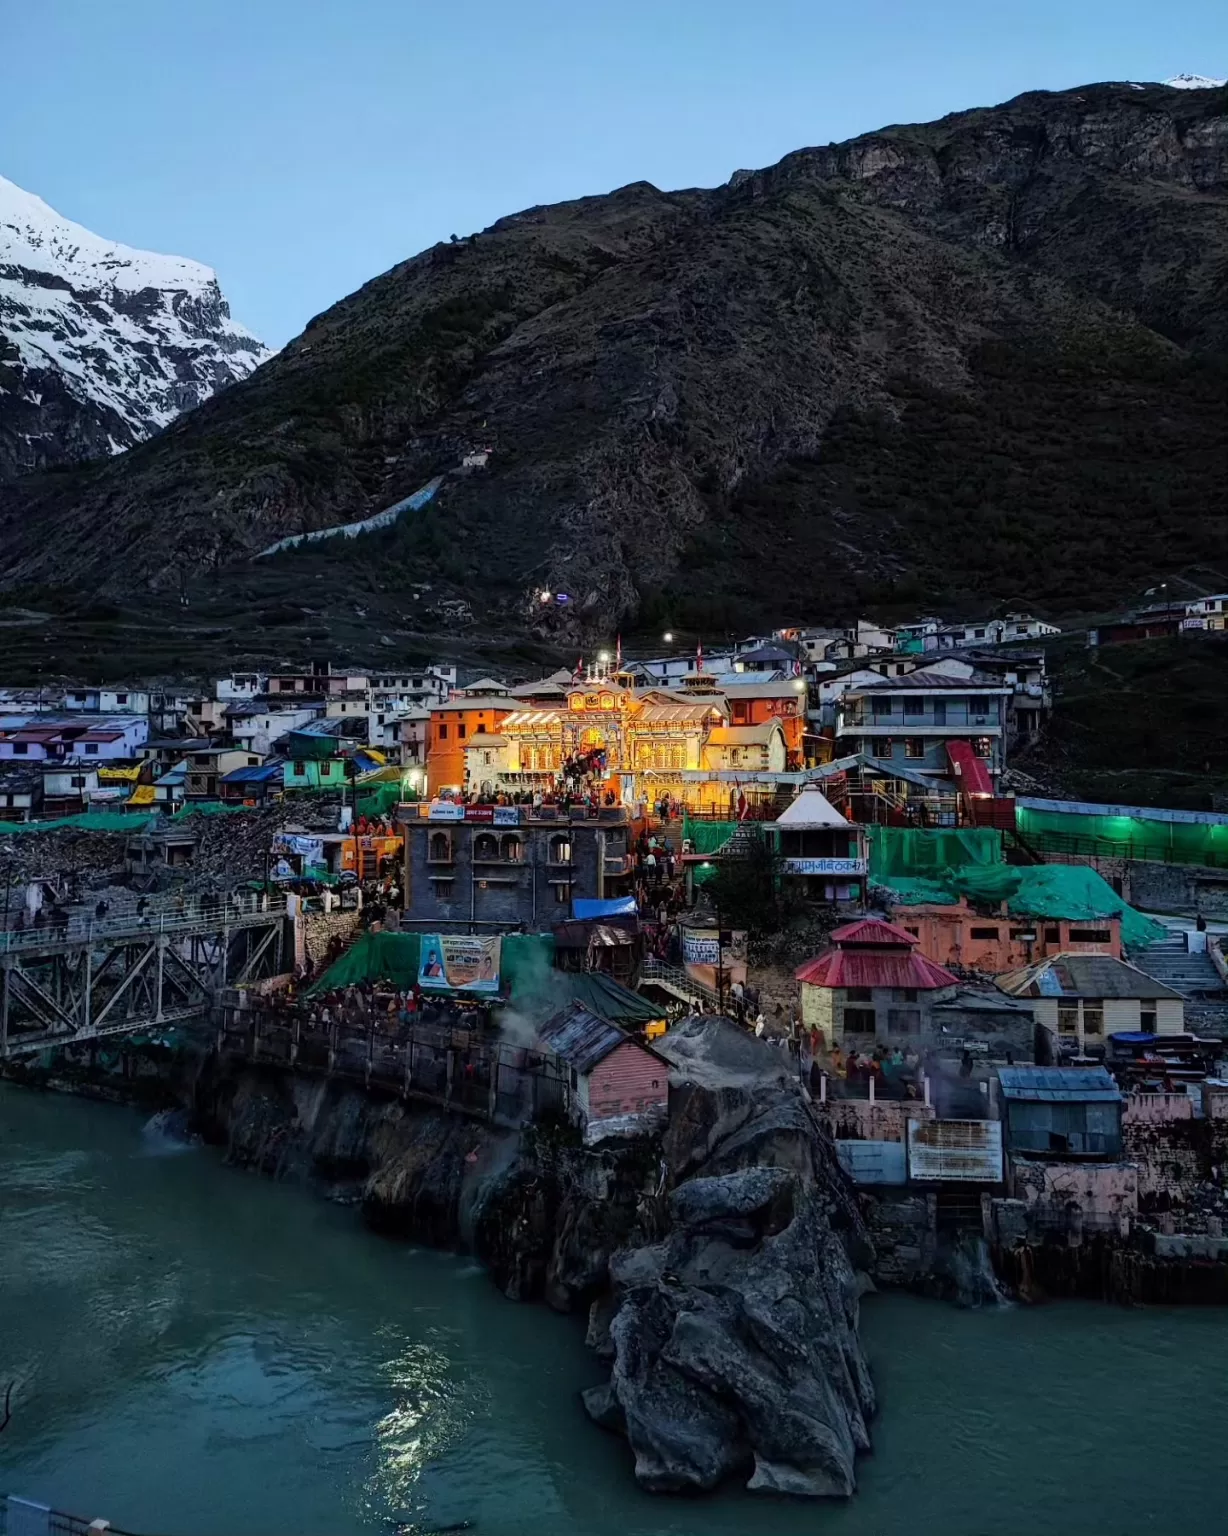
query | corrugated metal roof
[1055, 1085]
[875, 968]
[1091, 976]
[971, 770]
[931, 682]
[872, 930]
[581, 1038]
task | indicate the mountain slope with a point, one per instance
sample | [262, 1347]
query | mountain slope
[101, 345]
[983, 355]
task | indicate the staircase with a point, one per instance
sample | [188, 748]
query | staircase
[680, 983]
[742, 842]
[1169, 962]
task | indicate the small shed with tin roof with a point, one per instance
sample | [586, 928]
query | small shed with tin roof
[619, 1086]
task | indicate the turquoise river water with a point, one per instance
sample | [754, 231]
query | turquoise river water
[199, 1352]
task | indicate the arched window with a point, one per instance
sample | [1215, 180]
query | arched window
[486, 846]
[513, 848]
[440, 850]
[560, 850]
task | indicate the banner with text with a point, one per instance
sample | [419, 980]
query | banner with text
[459, 963]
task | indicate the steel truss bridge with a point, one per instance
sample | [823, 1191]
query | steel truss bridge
[59, 986]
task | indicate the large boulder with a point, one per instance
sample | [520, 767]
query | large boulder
[733, 1337]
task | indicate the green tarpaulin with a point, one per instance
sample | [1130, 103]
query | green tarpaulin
[379, 799]
[1070, 891]
[525, 963]
[924, 850]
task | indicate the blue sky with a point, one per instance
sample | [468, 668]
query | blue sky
[302, 146]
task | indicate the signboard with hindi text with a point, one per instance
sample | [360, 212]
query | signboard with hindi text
[454, 962]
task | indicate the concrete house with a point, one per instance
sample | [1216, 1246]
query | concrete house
[873, 988]
[948, 728]
[619, 1086]
[1082, 999]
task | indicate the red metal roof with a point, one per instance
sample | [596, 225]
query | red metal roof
[970, 770]
[874, 968]
[872, 930]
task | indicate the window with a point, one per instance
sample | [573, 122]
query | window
[513, 849]
[1068, 1018]
[914, 709]
[1147, 1018]
[983, 746]
[560, 895]
[121, 698]
[560, 850]
[1093, 1017]
[21, 748]
[858, 994]
[916, 932]
[78, 781]
[879, 705]
[443, 733]
[461, 730]
[914, 747]
[486, 846]
[881, 746]
[1027, 934]
[91, 749]
[940, 711]
[253, 762]
[978, 634]
[859, 1021]
[439, 848]
[1090, 936]
[984, 933]
[1053, 935]
[909, 994]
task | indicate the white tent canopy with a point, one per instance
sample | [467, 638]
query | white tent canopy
[811, 808]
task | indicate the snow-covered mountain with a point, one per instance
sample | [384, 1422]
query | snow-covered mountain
[1194, 83]
[101, 345]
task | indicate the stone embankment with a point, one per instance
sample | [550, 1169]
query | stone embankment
[720, 1264]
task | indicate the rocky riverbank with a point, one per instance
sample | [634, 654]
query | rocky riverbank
[719, 1264]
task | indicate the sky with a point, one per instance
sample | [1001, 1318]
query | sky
[302, 147]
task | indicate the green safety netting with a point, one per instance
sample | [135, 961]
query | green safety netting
[1070, 891]
[928, 850]
[118, 821]
[707, 836]
[526, 963]
[1124, 836]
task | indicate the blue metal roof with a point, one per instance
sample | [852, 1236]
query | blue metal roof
[260, 774]
[1082, 1085]
[613, 906]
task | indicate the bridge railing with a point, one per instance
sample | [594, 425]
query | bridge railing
[194, 920]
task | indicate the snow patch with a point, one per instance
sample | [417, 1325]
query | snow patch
[139, 334]
[384, 519]
[1194, 83]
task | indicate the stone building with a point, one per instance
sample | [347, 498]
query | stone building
[873, 988]
[508, 866]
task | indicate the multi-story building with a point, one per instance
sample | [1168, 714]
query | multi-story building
[943, 727]
[509, 866]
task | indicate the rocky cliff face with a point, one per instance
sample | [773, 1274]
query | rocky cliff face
[101, 345]
[976, 357]
[719, 1265]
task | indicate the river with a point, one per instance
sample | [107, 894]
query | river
[200, 1352]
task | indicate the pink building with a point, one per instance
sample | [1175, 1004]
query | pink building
[619, 1086]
